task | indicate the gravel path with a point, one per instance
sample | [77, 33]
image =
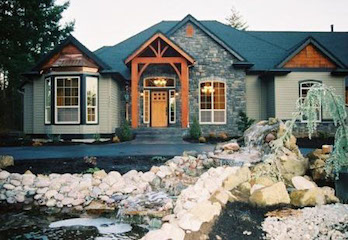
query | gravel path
[320, 222]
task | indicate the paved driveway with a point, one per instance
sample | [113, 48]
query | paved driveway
[103, 150]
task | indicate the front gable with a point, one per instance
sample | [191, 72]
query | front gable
[310, 54]
[310, 57]
[70, 55]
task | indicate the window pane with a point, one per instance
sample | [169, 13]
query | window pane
[67, 96]
[219, 95]
[172, 106]
[206, 116]
[159, 82]
[219, 116]
[67, 114]
[48, 114]
[92, 96]
[146, 106]
[206, 95]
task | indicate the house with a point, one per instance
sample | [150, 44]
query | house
[175, 71]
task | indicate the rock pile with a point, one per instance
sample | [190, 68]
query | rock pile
[317, 161]
[198, 204]
[321, 222]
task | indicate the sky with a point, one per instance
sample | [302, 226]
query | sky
[108, 22]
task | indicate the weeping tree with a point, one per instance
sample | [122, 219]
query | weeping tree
[323, 96]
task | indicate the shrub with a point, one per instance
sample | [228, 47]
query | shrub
[195, 129]
[92, 170]
[223, 136]
[125, 132]
[202, 139]
[96, 137]
[55, 138]
[212, 135]
[244, 122]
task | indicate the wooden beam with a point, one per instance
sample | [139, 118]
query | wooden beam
[176, 70]
[154, 51]
[159, 60]
[184, 95]
[143, 69]
[164, 50]
[167, 41]
[134, 94]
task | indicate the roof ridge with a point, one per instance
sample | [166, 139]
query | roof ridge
[308, 32]
[134, 35]
[246, 32]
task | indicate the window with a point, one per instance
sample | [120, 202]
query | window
[212, 102]
[172, 106]
[159, 82]
[48, 92]
[146, 106]
[304, 88]
[67, 100]
[92, 99]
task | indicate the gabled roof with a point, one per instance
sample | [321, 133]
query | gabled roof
[70, 40]
[166, 40]
[191, 19]
[302, 45]
[262, 50]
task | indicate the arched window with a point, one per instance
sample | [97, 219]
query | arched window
[304, 88]
[212, 104]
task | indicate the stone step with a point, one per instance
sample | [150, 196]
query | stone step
[159, 135]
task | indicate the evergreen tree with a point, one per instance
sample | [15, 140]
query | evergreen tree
[236, 20]
[28, 30]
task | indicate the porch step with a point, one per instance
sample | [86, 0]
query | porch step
[158, 135]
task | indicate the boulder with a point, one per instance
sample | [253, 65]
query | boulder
[206, 211]
[270, 137]
[189, 222]
[231, 146]
[8, 186]
[256, 187]
[99, 174]
[148, 176]
[221, 196]
[242, 175]
[264, 180]
[4, 175]
[301, 183]
[173, 231]
[42, 182]
[292, 165]
[6, 161]
[51, 203]
[309, 197]
[272, 195]
[327, 149]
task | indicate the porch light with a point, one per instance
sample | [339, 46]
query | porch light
[208, 89]
[161, 82]
[141, 94]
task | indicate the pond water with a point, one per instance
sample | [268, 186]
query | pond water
[45, 223]
[78, 165]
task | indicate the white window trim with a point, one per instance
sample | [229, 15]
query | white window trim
[148, 105]
[212, 109]
[170, 112]
[159, 87]
[78, 104]
[96, 102]
[48, 107]
[301, 97]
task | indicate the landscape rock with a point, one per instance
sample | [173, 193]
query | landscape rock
[6, 161]
[308, 197]
[242, 175]
[301, 183]
[4, 175]
[206, 211]
[272, 195]
[190, 222]
[231, 146]
[99, 174]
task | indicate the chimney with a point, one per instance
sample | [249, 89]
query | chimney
[332, 28]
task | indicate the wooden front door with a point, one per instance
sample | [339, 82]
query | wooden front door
[159, 103]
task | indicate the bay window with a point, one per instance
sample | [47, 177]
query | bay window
[67, 100]
[48, 91]
[92, 99]
[212, 109]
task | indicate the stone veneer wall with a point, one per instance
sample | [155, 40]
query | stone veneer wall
[326, 128]
[213, 62]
